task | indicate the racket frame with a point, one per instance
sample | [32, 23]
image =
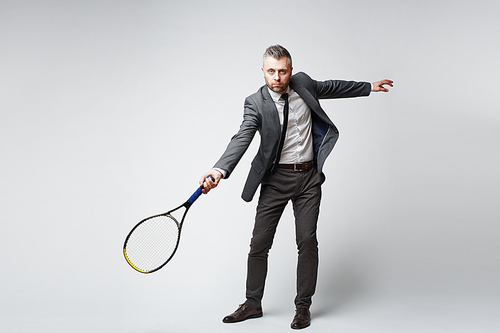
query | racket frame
[186, 205]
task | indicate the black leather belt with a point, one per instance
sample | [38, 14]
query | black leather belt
[297, 167]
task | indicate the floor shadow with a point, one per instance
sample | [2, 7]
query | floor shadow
[340, 284]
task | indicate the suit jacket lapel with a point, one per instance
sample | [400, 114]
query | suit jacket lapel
[270, 106]
[311, 102]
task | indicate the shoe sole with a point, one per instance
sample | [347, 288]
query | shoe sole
[301, 327]
[257, 315]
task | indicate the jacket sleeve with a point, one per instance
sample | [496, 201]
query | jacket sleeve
[341, 89]
[241, 140]
[330, 89]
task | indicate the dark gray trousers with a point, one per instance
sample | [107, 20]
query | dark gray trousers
[304, 190]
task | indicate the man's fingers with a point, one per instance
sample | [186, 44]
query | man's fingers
[388, 82]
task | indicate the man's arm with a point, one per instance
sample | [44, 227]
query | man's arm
[235, 149]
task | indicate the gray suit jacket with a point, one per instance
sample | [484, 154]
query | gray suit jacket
[260, 114]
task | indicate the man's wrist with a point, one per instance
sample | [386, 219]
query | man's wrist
[222, 171]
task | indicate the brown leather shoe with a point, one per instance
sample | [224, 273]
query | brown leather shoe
[302, 318]
[243, 312]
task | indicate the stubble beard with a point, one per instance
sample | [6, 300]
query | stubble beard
[279, 90]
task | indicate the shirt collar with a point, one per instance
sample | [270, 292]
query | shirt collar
[276, 96]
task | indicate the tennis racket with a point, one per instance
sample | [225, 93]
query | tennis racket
[153, 242]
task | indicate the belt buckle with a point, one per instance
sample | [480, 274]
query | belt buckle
[295, 167]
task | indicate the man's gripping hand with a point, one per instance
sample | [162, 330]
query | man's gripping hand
[208, 183]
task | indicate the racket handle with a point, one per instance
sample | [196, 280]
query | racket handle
[198, 192]
[195, 195]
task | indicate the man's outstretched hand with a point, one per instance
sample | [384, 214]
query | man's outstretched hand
[379, 85]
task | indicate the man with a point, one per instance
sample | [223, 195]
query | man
[296, 138]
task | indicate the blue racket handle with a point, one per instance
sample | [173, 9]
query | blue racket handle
[198, 192]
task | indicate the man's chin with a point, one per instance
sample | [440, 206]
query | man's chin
[278, 90]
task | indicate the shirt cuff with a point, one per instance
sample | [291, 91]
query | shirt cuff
[224, 172]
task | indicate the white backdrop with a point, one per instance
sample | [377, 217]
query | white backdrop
[112, 110]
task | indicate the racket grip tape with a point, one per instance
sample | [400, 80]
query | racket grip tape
[198, 192]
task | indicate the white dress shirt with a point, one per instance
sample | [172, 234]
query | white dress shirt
[298, 145]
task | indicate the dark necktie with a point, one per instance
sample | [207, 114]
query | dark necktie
[283, 133]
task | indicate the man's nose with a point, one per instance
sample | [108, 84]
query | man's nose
[276, 77]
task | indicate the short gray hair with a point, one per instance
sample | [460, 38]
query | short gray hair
[277, 52]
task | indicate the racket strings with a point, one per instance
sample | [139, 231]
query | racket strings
[152, 243]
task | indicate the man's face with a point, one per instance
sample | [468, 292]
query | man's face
[277, 73]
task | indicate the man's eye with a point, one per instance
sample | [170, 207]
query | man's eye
[271, 71]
